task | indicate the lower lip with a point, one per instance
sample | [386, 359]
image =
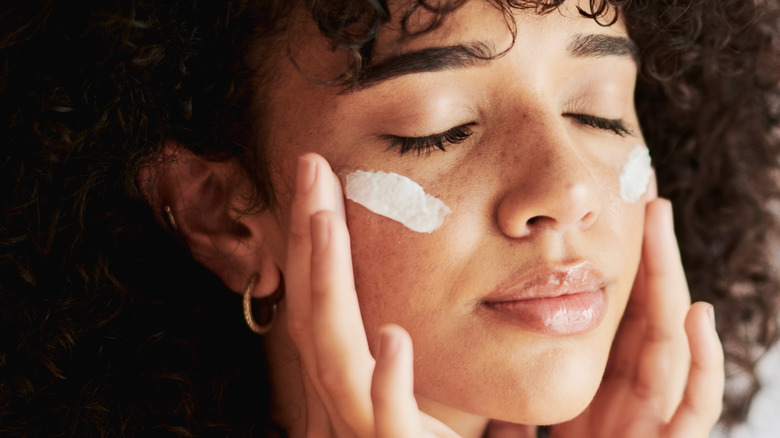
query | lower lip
[562, 315]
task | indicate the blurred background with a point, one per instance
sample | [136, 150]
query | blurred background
[764, 418]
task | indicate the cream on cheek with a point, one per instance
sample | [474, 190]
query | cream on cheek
[396, 197]
[636, 174]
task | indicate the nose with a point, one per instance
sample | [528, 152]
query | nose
[556, 192]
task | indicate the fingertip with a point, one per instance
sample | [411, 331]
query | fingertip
[710, 309]
[317, 161]
[394, 357]
[703, 398]
[312, 157]
[660, 209]
[701, 314]
[393, 341]
[707, 355]
[388, 344]
[339, 206]
[311, 194]
[313, 170]
[392, 388]
[660, 242]
[700, 326]
[306, 173]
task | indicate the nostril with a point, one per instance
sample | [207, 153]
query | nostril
[534, 220]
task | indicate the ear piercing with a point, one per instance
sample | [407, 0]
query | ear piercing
[248, 317]
[169, 218]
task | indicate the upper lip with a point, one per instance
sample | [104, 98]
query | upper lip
[549, 282]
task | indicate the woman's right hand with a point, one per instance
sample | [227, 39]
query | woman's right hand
[348, 393]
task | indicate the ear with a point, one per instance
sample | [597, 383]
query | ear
[205, 201]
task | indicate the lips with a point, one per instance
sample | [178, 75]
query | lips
[564, 300]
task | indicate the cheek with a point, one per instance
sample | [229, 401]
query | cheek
[624, 185]
[396, 197]
[428, 283]
[404, 253]
[636, 174]
[628, 232]
[394, 269]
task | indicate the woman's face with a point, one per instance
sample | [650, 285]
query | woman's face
[534, 193]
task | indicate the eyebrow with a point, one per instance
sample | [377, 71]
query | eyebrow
[425, 60]
[599, 45]
[468, 55]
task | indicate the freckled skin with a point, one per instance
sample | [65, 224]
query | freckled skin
[528, 189]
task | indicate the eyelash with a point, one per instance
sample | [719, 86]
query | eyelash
[429, 143]
[616, 126]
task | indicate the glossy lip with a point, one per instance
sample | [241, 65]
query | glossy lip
[563, 300]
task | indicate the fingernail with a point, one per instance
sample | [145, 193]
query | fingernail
[320, 232]
[668, 218]
[711, 314]
[339, 197]
[307, 170]
[388, 346]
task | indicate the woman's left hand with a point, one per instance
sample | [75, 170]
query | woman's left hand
[644, 392]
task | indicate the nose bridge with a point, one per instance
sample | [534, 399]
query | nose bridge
[553, 188]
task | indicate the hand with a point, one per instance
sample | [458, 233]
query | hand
[348, 393]
[644, 392]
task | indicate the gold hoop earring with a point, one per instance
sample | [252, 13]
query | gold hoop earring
[170, 219]
[250, 320]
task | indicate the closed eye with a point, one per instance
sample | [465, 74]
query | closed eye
[616, 126]
[429, 143]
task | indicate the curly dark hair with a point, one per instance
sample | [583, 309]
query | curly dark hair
[103, 337]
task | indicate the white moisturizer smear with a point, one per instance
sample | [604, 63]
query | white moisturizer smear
[636, 174]
[396, 197]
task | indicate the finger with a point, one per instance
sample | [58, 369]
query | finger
[392, 391]
[336, 321]
[344, 362]
[319, 421]
[664, 356]
[665, 276]
[313, 192]
[703, 399]
[338, 194]
[628, 339]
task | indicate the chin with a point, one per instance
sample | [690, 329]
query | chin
[551, 388]
[566, 384]
[560, 403]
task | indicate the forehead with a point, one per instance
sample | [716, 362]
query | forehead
[490, 29]
[480, 32]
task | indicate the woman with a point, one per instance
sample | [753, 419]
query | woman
[516, 122]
